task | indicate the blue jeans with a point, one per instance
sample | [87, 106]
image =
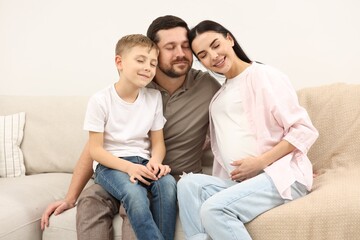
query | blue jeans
[150, 219]
[218, 208]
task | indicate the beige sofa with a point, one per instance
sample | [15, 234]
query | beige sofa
[53, 140]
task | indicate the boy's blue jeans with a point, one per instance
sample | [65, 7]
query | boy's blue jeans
[150, 219]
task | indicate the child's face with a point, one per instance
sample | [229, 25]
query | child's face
[138, 65]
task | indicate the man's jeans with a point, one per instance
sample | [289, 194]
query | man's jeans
[218, 208]
[150, 220]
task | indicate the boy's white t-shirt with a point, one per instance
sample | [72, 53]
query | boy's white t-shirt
[126, 126]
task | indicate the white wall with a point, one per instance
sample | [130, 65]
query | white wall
[66, 47]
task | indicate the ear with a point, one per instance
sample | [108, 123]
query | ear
[118, 62]
[229, 38]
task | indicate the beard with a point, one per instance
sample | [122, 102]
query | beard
[172, 72]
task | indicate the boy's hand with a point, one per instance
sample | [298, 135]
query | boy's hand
[138, 172]
[164, 170]
[158, 168]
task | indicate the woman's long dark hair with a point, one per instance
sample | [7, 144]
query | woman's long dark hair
[208, 25]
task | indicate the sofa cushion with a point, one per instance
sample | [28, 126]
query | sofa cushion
[54, 135]
[11, 135]
[334, 110]
[331, 210]
[23, 200]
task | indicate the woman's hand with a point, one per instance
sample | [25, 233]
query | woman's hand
[246, 168]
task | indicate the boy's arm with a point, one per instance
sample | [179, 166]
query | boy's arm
[99, 154]
[158, 152]
[157, 146]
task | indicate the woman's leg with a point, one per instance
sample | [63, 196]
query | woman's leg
[164, 205]
[134, 199]
[225, 213]
[193, 191]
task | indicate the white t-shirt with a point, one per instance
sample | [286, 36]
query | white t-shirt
[233, 135]
[125, 125]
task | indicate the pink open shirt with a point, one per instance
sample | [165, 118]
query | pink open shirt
[273, 111]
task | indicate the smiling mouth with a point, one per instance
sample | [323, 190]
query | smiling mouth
[145, 76]
[219, 63]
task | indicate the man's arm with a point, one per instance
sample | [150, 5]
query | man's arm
[82, 173]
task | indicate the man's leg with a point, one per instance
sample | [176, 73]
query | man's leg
[127, 230]
[95, 212]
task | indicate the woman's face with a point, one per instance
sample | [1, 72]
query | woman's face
[214, 51]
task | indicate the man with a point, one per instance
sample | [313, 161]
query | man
[186, 95]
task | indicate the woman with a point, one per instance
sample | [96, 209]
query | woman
[259, 136]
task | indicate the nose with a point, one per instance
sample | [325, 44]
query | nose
[179, 51]
[214, 55]
[147, 67]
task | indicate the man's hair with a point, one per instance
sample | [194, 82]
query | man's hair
[164, 23]
[129, 41]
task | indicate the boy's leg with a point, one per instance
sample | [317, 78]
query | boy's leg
[134, 199]
[164, 205]
[95, 212]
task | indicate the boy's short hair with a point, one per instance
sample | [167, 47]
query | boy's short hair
[129, 41]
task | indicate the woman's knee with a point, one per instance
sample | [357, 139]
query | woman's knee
[189, 182]
[209, 212]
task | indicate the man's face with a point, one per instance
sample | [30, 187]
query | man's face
[175, 58]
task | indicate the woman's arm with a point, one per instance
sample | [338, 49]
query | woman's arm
[249, 167]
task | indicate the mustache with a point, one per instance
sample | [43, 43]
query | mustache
[181, 59]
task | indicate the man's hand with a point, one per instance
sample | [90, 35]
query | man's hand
[54, 208]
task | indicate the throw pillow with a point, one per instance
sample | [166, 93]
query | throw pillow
[11, 135]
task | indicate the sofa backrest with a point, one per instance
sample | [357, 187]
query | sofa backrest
[53, 133]
[335, 111]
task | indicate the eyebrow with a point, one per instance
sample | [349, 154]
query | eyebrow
[212, 43]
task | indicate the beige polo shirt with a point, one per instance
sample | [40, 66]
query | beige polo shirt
[187, 115]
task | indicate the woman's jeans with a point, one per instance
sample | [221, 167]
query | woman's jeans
[150, 219]
[214, 208]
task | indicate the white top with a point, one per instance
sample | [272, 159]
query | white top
[125, 125]
[233, 134]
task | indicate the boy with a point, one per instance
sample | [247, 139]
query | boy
[124, 120]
